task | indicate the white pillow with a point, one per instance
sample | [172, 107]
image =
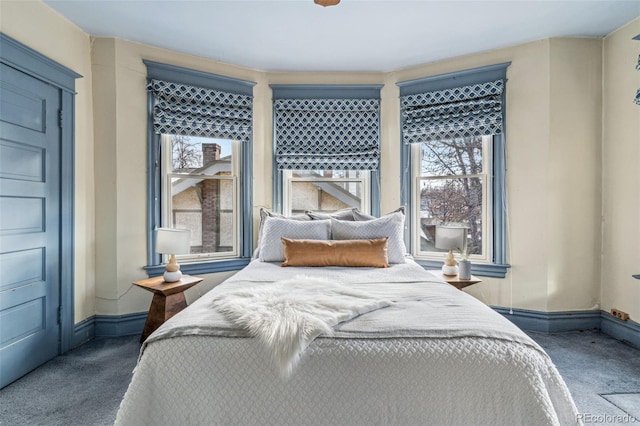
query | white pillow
[271, 249]
[391, 225]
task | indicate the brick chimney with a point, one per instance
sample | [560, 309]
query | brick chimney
[210, 202]
[210, 152]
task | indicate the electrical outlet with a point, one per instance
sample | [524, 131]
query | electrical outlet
[620, 314]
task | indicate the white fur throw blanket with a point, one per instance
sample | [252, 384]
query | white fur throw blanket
[286, 316]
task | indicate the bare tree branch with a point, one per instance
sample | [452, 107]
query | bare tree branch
[185, 155]
[457, 200]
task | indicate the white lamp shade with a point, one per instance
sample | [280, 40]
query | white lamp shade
[450, 238]
[173, 241]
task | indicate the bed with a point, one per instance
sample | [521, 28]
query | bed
[415, 351]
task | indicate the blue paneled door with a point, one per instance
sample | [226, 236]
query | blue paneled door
[29, 223]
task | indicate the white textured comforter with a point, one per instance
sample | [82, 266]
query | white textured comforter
[436, 356]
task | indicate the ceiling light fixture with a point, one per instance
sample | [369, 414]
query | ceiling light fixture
[325, 3]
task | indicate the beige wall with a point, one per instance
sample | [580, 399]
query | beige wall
[573, 188]
[44, 30]
[621, 172]
[553, 160]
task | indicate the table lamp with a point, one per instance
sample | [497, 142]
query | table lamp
[450, 238]
[172, 241]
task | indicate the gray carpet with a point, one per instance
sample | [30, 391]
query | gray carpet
[82, 388]
[602, 373]
[85, 386]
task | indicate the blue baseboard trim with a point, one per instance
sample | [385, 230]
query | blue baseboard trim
[120, 325]
[107, 325]
[554, 322]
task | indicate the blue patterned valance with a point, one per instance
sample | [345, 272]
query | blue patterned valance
[473, 110]
[180, 109]
[327, 134]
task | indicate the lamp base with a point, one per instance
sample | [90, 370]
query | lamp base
[171, 277]
[449, 270]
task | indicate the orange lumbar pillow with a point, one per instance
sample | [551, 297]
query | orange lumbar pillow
[362, 253]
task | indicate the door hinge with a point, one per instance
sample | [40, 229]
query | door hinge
[60, 118]
[60, 315]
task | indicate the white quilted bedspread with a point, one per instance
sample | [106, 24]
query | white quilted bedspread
[442, 359]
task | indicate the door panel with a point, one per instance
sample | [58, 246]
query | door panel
[21, 108]
[22, 215]
[21, 162]
[14, 274]
[29, 223]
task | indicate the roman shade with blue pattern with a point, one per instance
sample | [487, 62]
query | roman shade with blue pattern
[327, 134]
[458, 112]
[181, 109]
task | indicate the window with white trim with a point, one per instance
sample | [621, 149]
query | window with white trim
[325, 190]
[201, 192]
[454, 164]
[453, 188]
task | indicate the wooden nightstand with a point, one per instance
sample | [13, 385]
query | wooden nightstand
[168, 300]
[458, 283]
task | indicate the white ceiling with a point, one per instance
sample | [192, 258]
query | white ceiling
[356, 35]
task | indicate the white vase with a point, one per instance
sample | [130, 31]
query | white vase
[449, 270]
[171, 277]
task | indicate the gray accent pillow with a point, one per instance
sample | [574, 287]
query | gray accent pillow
[391, 226]
[264, 213]
[271, 248]
[358, 215]
[344, 214]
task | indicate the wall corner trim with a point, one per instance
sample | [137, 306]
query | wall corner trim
[83, 331]
[626, 331]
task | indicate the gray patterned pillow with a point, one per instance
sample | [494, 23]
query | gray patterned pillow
[344, 214]
[391, 225]
[274, 229]
[358, 215]
[264, 213]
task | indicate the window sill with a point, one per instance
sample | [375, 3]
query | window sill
[480, 269]
[208, 267]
